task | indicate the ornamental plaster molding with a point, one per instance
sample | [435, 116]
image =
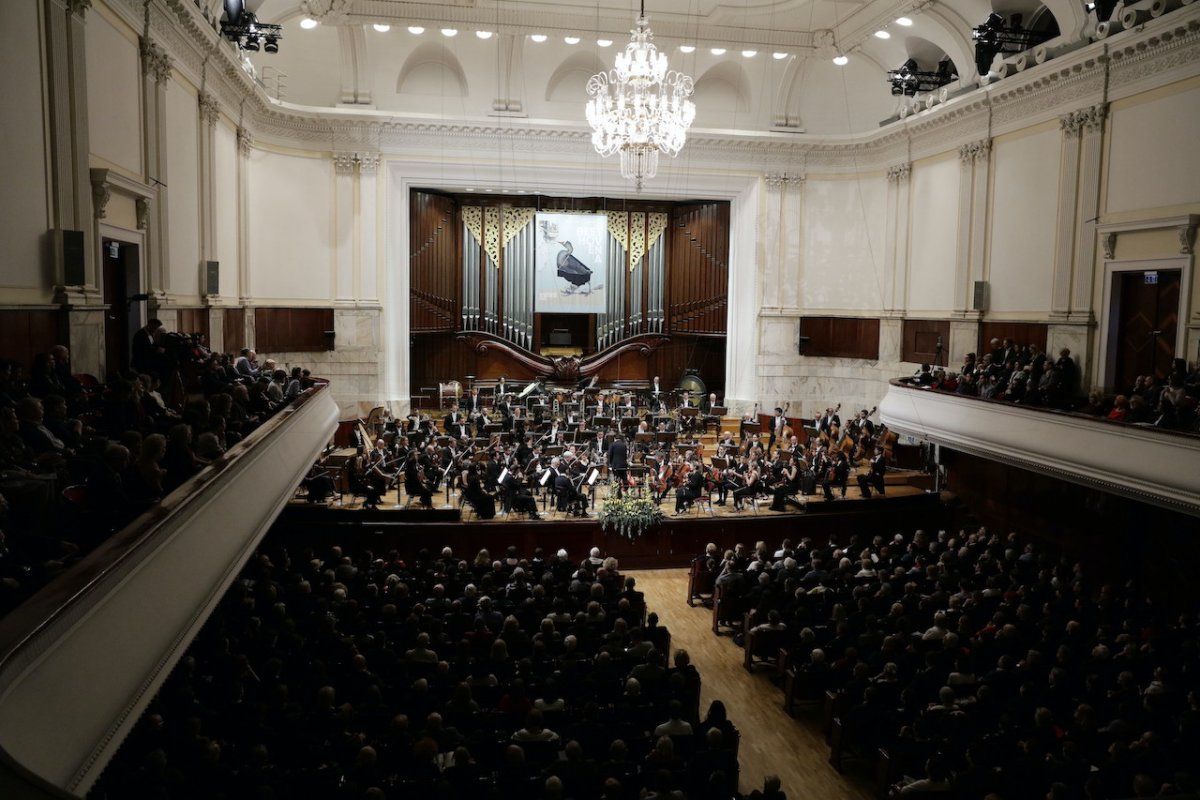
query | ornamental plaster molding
[899, 173]
[210, 109]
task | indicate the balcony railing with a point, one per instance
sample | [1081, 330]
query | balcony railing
[80, 659]
[1145, 463]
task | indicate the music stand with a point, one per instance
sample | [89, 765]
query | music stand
[668, 437]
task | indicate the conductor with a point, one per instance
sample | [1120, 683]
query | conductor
[618, 462]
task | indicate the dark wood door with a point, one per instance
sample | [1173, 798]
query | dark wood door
[116, 297]
[1146, 325]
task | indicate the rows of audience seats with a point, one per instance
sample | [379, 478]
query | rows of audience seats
[970, 665]
[1026, 375]
[80, 459]
[345, 674]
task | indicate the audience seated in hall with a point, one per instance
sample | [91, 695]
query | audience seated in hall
[1025, 375]
[77, 464]
[343, 673]
[982, 665]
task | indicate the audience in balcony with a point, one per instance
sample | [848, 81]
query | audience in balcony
[77, 463]
[1026, 375]
[985, 664]
[341, 673]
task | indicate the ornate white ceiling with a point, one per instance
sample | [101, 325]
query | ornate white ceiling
[345, 61]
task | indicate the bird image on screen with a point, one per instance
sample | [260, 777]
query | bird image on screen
[575, 274]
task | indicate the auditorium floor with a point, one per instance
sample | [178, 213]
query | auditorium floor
[772, 742]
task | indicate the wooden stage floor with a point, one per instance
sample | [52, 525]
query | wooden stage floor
[772, 742]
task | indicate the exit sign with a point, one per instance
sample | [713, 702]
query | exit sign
[1150, 278]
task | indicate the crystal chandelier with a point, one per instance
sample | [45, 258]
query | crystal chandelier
[639, 108]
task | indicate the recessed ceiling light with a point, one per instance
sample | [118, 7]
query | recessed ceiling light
[904, 21]
[717, 51]
[882, 35]
[308, 23]
[538, 37]
[779, 56]
[571, 39]
[749, 53]
[469, 189]
[415, 30]
[604, 42]
[381, 27]
[687, 48]
[449, 32]
[484, 34]
[841, 60]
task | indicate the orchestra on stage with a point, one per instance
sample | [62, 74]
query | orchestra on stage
[503, 447]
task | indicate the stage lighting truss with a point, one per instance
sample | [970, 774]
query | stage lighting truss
[247, 33]
[910, 79]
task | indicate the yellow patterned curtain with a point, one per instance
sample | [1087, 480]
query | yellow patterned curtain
[515, 220]
[637, 237]
[618, 226]
[491, 234]
[473, 218]
[658, 224]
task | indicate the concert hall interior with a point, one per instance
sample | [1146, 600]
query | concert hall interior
[599, 399]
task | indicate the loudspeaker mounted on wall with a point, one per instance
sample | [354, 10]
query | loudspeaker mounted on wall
[68, 251]
[212, 278]
[980, 300]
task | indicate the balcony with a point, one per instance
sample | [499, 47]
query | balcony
[80, 659]
[1143, 463]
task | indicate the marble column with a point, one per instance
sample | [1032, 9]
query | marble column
[367, 274]
[156, 71]
[896, 237]
[1068, 196]
[345, 167]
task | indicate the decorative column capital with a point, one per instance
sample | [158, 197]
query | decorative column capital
[143, 212]
[1090, 120]
[155, 61]
[898, 173]
[1070, 124]
[975, 151]
[344, 163]
[101, 194]
[782, 180]
[368, 162]
[245, 141]
[210, 109]
[78, 7]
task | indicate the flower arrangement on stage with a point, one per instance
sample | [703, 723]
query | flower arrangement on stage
[629, 516]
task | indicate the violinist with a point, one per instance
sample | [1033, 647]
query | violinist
[517, 498]
[836, 475]
[750, 485]
[692, 488]
[874, 477]
[786, 486]
[524, 451]
[416, 483]
[473, 492]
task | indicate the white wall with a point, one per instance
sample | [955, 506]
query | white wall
[291, 226]
[183, 188]
[1152, 156]
[114, 94]
[842, 244]
[933, 193]
[24, 215]
[1024, 214]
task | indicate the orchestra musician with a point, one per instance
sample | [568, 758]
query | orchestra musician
[749, 483]
[778, 423]
[692, 488]
[474, 493]
[836, 475]
[786, 486]
[829, 422]
[570, 499]
[708, 404]
[874, 475]
[416, 483]
[456, 423]
[517, 497]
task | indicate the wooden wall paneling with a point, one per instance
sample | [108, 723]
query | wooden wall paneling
[703, 353]
[1020, 332]
[194, 320]
[234, 329]
[26, 332]
[841, 337]
[919, 339]
[293, 330]
[434, 263]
